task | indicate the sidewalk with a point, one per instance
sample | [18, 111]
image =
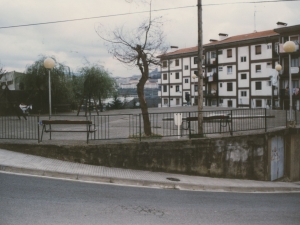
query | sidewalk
[35, 165]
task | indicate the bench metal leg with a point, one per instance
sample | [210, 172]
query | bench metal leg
[42, 132]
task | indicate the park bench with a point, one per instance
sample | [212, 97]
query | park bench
[88, 124]
[224, 120]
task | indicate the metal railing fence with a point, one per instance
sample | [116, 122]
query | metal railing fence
[11, 127]
[131, 126]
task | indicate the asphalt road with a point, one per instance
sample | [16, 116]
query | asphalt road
[34, 200]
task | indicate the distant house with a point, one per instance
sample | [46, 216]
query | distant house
[12, 80]
[133, 83]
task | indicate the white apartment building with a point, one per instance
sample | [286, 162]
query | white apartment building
[11, 79]
[239, 71]
[176, 77]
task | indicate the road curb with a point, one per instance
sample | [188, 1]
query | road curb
[144, 183]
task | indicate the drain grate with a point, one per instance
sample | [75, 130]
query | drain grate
[172, 179]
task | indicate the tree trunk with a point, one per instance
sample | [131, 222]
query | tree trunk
[200, 72]
[100, 104]
[144, 107]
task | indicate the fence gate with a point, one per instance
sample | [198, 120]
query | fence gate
[277, 157]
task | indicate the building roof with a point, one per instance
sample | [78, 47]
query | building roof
[295, 28]
[244, 37]
[180, 51]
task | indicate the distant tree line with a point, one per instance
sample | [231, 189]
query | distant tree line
[92, 82]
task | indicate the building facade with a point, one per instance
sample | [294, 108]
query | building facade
[12, 80]
[177, 80]
[239, 71]
[291, 33]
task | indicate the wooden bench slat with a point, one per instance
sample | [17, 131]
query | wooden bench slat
[48, 122]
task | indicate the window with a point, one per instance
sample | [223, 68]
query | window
[295, 83]
[165, 63]
[258, 68]
[221, 101]
[176, 62]
[243, 59]
[186, 67]
[229, 87]
[294, 39]
[196, 87]
[209, 69]
[220, 52]
[186, 81]
[165, 76]
[165, 88]
[229, 103]
[177, 88]
[221, 85]
[213, 102]
[165, 101]
[244, 93]
[213, 55]
[258, 103]
[176, 75]
[195, 60]
[295, 62]
[220, 68]
[229, 53]
[257, 49]
[243, 76]
[229, 69]
[177, 101]
[258, 85]
[269, 46]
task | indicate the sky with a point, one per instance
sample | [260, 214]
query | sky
[77, 44]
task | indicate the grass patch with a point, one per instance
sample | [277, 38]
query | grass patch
[197, 136]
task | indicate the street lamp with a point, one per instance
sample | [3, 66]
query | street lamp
[290, 47]
[49, 64]
[194, 77]
[278, 67]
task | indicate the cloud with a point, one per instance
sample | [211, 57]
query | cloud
[74, 43]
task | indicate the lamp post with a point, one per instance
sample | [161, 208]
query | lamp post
[194, 77]
[290, 47]
[49, 64]
[278, 67]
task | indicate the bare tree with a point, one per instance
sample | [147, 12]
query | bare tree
[2, 72]
[139, 50]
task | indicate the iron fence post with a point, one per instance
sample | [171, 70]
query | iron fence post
[189, 125]
[231, 123]
[265, 120]
[296, 115]
[286, 119]
[140, 127]
[38, 122]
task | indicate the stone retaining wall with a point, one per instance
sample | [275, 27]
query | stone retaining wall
[245, 157]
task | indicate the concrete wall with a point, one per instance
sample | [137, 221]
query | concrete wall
[245, 157]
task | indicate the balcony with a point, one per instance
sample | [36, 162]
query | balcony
[211, 77]
[211, 63]
[285, 93]
[282, 51]
[211, 94]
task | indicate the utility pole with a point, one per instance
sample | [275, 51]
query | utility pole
[200, 72]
